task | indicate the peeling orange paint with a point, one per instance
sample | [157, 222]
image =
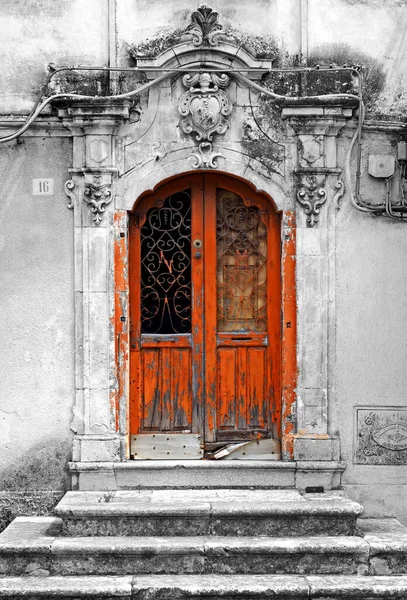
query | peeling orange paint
[302, 433]
[120, 318]
[289, 338]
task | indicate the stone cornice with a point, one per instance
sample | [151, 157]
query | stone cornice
[98, 115]
[46, 126]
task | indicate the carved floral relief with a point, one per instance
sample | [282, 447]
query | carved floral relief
[97, 195]
[311, 195]
[205, 28]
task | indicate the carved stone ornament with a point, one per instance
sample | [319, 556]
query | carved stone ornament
[340, 187]
[311, 195]
[97, 195]
[381, 436]
[205, 28]
[204, 108]
[69, 191]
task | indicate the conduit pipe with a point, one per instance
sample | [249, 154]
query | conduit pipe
[355, 200]
[39, 106]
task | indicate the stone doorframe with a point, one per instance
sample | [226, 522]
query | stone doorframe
[100, 421]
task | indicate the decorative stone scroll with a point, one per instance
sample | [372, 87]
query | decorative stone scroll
[97, 194]
[381, 436]
[340, 191]
[70, 192]
[311, 195]
[204, 109]
[205, 28]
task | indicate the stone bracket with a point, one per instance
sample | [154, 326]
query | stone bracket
[98, 194]
[311, 195]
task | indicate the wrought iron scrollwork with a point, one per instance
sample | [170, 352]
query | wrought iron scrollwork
[166, 267]
[241, 265]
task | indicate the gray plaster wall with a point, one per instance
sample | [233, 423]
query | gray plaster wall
[371, 335]
[35, 33]
[37, 318]
[100, 32]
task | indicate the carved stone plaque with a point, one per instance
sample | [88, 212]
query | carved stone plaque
[381, 436]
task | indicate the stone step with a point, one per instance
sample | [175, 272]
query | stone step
[207, 512]
[206, 587]
[33, 546]
[387, 539]
[204, 474]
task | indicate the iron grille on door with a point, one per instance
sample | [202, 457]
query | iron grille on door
[166, 267]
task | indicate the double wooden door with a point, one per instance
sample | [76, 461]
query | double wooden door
[205, 311]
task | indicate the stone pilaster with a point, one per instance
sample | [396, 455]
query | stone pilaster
[318, 186]
[91, 191]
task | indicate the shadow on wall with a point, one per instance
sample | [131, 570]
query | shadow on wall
[374, 79]
[34, 484]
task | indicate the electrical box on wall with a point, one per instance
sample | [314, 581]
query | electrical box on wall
[382, 165]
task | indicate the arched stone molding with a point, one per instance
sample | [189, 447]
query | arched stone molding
[225, 55]
[131, 186]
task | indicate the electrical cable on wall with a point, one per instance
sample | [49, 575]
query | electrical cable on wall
[387, 208]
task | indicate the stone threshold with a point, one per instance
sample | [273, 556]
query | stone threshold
[199, 474]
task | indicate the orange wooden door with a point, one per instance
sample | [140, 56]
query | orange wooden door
[205, 311]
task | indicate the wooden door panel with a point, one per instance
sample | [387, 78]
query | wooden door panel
[166, 289]
[226, 377]
[150, 388]
[243, 399]
[257, 393]
[242, 268]
[181, 389]
[166, 389]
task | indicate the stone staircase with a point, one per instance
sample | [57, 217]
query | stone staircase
[204, 544]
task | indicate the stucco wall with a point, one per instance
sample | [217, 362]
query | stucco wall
[36, 237]
[99, 32]
[37, 318]
[38, 32]
[371, 332]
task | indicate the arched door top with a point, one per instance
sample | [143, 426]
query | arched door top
[233, 183]
[205, 289]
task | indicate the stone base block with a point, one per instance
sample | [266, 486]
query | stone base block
[316, 448]
[89, 448]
